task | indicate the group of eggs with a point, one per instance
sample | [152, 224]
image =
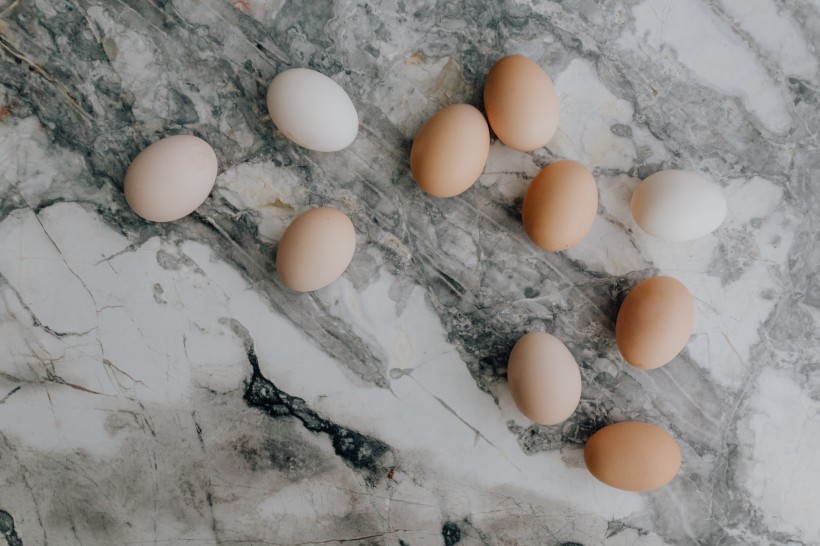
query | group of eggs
[173, 176]
[656, 318]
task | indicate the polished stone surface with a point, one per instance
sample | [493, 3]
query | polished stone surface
[158, 384]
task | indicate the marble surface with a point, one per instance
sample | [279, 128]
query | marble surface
[158, 384]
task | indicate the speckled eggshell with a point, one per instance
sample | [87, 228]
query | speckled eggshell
[654, 322]
[315, 249]
[633, 456]
[544, 378]
[170, 178]
[450, 150]
[521, 103]
[560, 205]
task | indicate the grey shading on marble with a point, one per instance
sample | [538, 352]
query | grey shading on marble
[158, 383]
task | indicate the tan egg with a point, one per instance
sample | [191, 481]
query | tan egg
[632, 456]
[544, 378]
[315, 249]
[654, 322]
[521, 103]
[170, 178]
[560, 205]
[450, 151]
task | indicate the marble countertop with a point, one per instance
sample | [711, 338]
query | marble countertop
[158, 384]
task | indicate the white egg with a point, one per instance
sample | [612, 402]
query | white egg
[312, 110]
[678, 205]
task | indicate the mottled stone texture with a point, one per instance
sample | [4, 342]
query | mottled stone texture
[159, 385]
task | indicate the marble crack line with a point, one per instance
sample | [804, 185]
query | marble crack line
[353, 539]
[374, 496]
[54, 378]
[114, 367]
[478, 433]
[130, 248]
[12, 391]
[24, 471]
[36, 321]
[208, 484]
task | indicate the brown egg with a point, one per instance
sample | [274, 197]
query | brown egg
[521, 103]
[544, 378]
[450, 151]
[315, 249]
[632, 456]
[654, 322]
[560, 205]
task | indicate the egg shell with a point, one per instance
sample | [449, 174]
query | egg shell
[315, 249]
[560, 205]
[521, 103]
[544, 378]
[633, 456]
[170, 178]
[654, 322]
[678, 205]
[312, 110]
[450, 151]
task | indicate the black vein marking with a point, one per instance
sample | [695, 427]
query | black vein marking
[451, 533]
[362, 453]
[7, 530]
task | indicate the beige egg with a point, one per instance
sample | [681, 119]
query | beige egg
[654, 322]
[315, 249]
[450, 150]
[560, 205]
[170, 178]
[521, 103]
[632, 456]
[544, 378]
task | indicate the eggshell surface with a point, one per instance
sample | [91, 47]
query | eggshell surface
[632, 456]
[544, 378]
[654, 322]
[315, 249]
[521, 103]
[312, 110]
[678, 205]
[560, 205]
[450, 151]
[170, 178]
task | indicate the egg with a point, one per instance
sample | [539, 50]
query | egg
[654, 322]
[521, 103]
[678, 205]
[312, 110]
[544, 378]
[450, 150]
[632, 456]
[315, 249]
[170, 178]
[560, 205]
